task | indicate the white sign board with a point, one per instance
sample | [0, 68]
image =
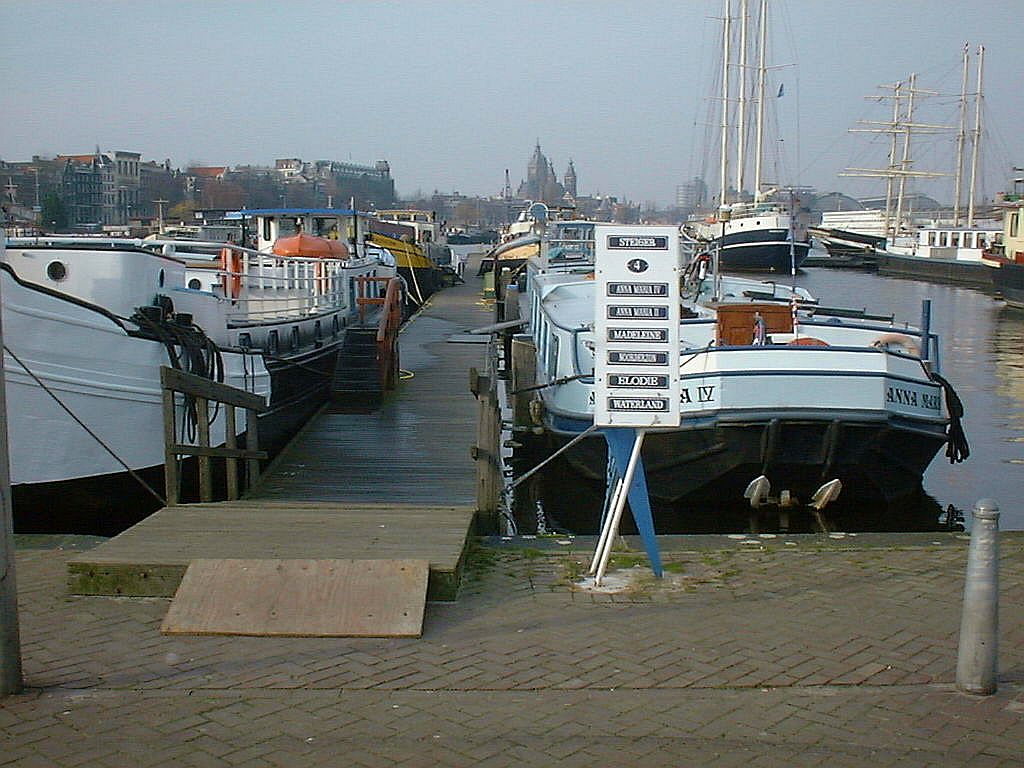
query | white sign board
[636, 326]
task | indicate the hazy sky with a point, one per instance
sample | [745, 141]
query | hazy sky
[453, 93]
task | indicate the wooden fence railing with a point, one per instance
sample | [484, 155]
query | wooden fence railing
[388, 326]
[203, 390]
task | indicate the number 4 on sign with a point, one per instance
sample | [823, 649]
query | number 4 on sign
[624, 447]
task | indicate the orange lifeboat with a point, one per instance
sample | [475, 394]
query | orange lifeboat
[310, 247]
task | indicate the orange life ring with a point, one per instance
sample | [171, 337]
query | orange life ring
[808, 341]
[897, 342]
[231, 263]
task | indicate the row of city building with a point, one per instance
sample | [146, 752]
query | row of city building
[118, 190]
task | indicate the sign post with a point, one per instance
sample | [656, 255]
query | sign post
[636, 368]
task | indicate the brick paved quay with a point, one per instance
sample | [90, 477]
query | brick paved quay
[758, 652]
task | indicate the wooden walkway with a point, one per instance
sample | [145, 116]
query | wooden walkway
[399, 483]
[416, 448]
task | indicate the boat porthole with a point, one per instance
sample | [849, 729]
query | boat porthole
[160, 279]
[57, 271]
[194, 284]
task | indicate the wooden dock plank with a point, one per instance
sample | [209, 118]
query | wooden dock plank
[300, 598]
[150, 558]
[419, 440]
[396, 484]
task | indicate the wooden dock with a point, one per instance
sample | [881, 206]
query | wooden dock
[397, 483]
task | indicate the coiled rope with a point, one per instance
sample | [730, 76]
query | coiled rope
[957, 447]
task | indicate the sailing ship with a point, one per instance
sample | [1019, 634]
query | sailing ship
[784, 401]
[947, 249]
[88, 323]
[762, 234]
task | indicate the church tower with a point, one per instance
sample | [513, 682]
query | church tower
[570, 180]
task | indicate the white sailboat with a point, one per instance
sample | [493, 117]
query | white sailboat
[760, 235]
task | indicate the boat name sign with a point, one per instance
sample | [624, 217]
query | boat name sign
[636, 326]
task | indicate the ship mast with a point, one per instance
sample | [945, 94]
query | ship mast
[905, 160]
[741, 142]
[961, 137]
[899, 125]
[760, 100]
[977, 137]
[724, 159]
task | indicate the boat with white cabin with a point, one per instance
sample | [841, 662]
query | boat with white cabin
[89, 321]
[784, 402]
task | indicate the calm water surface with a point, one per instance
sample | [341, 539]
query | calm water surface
[982, 355]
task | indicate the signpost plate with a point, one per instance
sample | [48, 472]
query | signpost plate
[636, 332]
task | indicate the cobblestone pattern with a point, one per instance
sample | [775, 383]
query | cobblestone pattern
[752, 658]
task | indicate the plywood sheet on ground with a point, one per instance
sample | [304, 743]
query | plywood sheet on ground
[300, 598]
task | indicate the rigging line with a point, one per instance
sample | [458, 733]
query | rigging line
[549, 459]
[82, 424]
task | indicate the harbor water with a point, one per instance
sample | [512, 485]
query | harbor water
[982, 355]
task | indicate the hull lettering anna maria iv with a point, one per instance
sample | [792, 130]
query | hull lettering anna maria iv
[792, 413]
[89, 322]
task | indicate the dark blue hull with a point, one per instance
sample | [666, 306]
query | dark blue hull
[766, 250]
[1009, 281]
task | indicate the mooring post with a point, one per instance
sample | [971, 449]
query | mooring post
[977, 658]
[10, 638]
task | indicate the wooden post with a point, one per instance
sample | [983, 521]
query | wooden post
[203, 427]
[10, 638]
[252, 443]
[170, 457]
[231, 463]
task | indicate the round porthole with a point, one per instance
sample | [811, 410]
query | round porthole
[194, 284]
[160, 279]
[57, 271]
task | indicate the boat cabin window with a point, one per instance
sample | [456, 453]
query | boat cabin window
[954, 239]
[272, 342]
[552, 367]
[267, 234]
[931, 238]
[194, 284]
[1014, 223]
[295, 337]
[943, 239]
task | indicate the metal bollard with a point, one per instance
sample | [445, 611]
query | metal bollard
[977, 658]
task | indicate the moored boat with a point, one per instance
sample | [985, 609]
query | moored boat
[783, 402]
[90, 321]
[1007, 260]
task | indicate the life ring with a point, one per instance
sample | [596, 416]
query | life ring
[897, 342]
[807, 341]
[231, 263]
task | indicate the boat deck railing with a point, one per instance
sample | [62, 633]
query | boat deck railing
[267, 287]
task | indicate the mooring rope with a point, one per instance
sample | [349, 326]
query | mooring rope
[84, 426]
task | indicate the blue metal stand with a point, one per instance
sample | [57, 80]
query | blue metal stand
[620, 444]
